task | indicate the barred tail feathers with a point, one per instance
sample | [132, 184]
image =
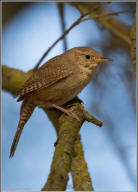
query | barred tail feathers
[27, 109]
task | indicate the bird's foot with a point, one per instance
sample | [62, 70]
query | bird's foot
[66, 111]
[69, 113]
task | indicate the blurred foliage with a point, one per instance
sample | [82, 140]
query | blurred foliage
[133, 43]
[9, 10]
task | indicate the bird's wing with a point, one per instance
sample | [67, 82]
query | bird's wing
[46, 76]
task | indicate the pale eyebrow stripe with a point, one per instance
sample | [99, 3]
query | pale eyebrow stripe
[82, 53]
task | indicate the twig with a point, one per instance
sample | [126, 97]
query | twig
[92, 119]
[108, 14]
[79, 20]
[76, 4]
[61, 8]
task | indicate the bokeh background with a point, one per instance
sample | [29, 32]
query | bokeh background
[28, 31]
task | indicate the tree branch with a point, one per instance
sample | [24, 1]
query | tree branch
[65, 149]
[108, 14]
[79, 169]
[61, 7]
[13, 79]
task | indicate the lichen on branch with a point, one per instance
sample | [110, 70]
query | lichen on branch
[66, 157]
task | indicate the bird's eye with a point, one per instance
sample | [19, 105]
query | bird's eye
[87, 56]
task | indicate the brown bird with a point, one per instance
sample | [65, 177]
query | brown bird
[58, 81]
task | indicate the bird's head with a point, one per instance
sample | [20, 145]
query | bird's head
[87, 58]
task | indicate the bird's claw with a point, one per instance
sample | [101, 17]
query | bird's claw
[71, 114]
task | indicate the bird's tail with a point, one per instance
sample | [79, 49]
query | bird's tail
[27, 109]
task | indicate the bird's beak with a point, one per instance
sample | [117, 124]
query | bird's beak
[101, 60]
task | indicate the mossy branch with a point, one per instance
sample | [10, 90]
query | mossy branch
[68, 149]
[79, 169]
[66, 154]
[61, 164]
[13, 79]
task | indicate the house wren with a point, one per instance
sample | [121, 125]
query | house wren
[58, 81]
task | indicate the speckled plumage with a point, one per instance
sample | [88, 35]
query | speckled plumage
[58, 81]
[45, 76]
